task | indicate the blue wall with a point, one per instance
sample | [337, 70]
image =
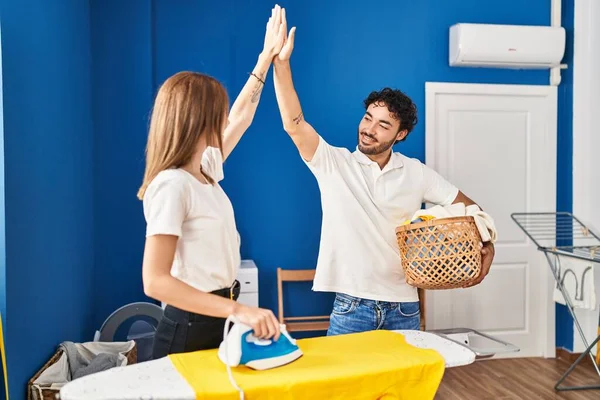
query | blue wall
[564, 178]
[48, 180]
[343, 51]
[122, 85]
[2, 219]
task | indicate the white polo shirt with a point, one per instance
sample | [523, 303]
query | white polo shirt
[362, 205]
[201, 215]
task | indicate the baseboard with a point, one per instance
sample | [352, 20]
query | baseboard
[566, 355]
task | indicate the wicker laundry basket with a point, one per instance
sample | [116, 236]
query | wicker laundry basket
[46, 392]
[440, 253]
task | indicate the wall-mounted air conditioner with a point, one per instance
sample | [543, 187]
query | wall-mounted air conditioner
[506, 46]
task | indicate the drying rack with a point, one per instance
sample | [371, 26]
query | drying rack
[562, 234]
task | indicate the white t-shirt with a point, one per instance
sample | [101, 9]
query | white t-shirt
[362, 206]
[201, 215]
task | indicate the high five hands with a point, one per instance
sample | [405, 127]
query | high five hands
[275, 33]
[278, 44]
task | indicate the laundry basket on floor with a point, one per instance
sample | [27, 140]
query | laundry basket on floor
[47, 382]
[442, 253]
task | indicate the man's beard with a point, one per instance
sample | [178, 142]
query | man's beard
[376, 148]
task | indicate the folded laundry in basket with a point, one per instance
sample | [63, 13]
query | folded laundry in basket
[485, 223]
[421, 218]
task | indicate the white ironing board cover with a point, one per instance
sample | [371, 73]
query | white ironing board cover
[454, 354]
[159, 380]
[149, 380]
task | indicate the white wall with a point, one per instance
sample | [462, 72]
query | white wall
[586, 136]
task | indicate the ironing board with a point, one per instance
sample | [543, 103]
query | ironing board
[162, 379]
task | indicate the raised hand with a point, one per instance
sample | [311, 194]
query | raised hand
[275, 33]
[288, 46]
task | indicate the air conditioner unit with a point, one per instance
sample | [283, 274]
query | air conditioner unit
[506, 46]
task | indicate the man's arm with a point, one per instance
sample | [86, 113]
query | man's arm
[302, 133]
[462, 198]
[488, 250]
[244, 108]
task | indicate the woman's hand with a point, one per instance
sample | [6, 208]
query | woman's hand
[275, 34]
[262, 321]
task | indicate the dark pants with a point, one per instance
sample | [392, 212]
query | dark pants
[181, 331]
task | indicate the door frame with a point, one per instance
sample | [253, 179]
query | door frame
[432, 89]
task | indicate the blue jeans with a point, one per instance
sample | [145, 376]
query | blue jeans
[352, 314]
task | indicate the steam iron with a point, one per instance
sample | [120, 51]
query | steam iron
[241, 347]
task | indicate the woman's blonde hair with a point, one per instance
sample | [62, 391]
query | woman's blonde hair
[188, 106]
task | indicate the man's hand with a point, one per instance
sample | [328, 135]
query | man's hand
[275, 33]
[487, 256]
[286, 52]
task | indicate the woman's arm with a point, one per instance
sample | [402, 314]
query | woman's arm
[160, 285]
[243, 109]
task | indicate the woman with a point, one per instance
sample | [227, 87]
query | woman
[192, 255]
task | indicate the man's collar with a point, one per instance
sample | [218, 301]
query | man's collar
[394, 162]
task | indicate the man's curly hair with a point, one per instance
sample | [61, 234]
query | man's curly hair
[399, 104]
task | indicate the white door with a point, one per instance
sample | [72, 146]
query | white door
[497, 143]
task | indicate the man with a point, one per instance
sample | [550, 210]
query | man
[365, 195]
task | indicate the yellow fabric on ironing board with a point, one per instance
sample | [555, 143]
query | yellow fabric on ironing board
[367, 365]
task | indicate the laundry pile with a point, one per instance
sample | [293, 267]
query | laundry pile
[75, 360]
[485, 223]
[87, 359]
